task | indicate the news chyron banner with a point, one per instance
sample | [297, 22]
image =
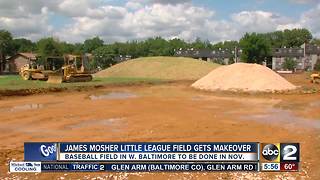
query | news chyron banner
[157, 157]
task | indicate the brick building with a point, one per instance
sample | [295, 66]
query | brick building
[14, 63]
[306, 57]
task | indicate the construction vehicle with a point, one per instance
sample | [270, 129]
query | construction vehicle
[314, 77]
[40, 71]
[73, 70]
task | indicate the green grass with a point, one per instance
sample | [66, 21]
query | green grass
[141, 70]
[15, 82]
[167, 68]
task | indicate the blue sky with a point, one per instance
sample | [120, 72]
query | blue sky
[285, 7]
[226, 7]
[120, 20]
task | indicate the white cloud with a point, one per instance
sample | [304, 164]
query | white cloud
[140, 19]
[134, 5]
[80, 8]
[305, 1]
[168, 1]
[258, 21]
[105, 23]
[148, 21]
[310, 20]
[25, 19]
[282, 27]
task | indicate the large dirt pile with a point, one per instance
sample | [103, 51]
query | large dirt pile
[243, 77]
[171, 68]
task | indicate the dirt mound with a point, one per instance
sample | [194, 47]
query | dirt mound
[243, 77]
[170, 68]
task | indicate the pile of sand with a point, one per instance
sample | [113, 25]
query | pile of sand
[243, 77]
[171, 68]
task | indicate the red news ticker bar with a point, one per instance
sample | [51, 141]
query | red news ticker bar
[293, 166]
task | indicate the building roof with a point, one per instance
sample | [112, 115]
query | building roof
[287, 52]
[32, 56]
[120, 58]
[312, 49]
[200, 53]
[29, 56]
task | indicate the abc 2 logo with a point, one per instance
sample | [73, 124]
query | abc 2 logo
[280, 152]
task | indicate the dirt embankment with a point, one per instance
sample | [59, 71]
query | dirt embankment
[244, 77]
[169, 68]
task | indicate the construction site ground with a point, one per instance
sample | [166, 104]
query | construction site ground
[172, 112]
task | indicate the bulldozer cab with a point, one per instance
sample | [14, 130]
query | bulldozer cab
[53, 63]
[32, 65]
[77, 61]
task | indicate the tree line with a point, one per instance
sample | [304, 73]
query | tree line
[255, 46]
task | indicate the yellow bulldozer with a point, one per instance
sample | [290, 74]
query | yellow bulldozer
[73, 70]
[314, 77]
[70, 68]
[40, 71]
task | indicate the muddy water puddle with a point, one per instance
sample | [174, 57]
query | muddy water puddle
[26, 107]
[114, 95]
[273, 111]
[314, 104]
[116, 124]
[285, 118]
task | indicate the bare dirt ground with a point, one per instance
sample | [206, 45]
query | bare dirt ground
[161, 113]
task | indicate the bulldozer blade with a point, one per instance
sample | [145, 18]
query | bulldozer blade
[79, 78]
[56, 79]
[38, 76]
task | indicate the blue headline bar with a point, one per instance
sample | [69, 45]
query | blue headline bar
[223, 147]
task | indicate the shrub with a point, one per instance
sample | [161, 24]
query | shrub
[289, 64]
[317, 65]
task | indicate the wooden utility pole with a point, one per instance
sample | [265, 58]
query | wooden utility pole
[235, 54]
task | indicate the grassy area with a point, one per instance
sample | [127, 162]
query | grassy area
[169, 68]
[141, 70]
[15, 82]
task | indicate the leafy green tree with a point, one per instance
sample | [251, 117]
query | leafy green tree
[288, 38]
[296, 37]
[91, 44]
[226, 45]
[67, 48]
[199, 44]
[138, 49]
[157, 46]
[317, 65]
[78, 48]
[23, 45]
[316, 41]
[6, 47]
[276, 39]
[103, 57]
[131, 48]
[289, 64]
[48, 47]
[255, 48]
[176, 44]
